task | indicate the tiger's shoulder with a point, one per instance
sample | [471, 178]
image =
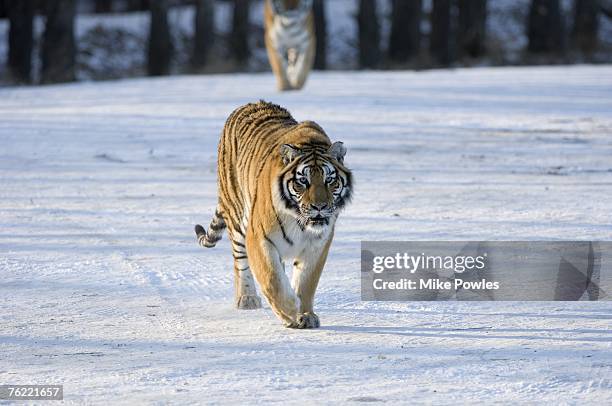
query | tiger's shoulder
[258, 111]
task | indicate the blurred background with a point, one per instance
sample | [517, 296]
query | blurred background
[66, 40]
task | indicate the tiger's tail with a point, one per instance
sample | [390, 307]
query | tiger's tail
[209, 238]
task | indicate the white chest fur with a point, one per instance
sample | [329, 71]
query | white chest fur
[293, 241]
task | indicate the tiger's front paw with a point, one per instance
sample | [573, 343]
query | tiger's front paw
[248, 302]
[305, 320]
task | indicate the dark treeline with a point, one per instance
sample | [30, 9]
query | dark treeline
[160, 43]
[20, 39]
[59, 49]
[457, 33]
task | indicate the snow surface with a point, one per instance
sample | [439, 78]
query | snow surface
[104, 289]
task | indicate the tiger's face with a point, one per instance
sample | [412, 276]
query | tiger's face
[314, 184]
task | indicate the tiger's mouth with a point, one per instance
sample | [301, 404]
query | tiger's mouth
[318, 221]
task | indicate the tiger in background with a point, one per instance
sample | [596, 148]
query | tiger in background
[281, 186]
[290, 41]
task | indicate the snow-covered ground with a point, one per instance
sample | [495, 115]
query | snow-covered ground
[103, 288]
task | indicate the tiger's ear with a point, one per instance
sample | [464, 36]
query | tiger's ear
[337, 151]
[289, 152]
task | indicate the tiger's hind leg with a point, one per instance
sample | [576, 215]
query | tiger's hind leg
[246, 297]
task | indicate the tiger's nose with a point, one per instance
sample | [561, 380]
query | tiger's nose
[318, 207]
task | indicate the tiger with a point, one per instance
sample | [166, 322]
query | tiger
[281, 186]
[290, 41]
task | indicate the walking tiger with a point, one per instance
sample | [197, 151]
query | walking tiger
[290, 41]
[281, 186]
